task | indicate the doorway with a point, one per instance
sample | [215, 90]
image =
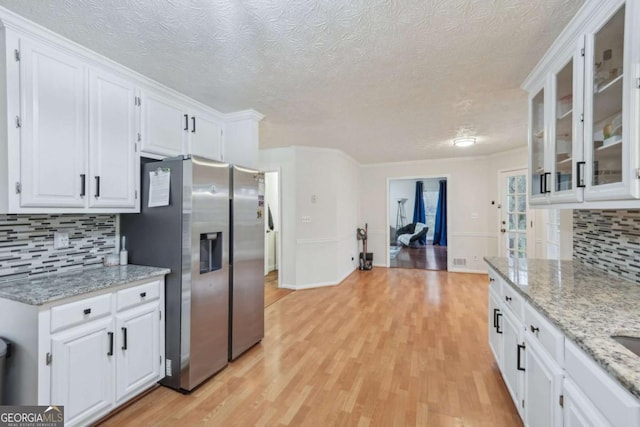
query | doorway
[272, 289]
[418, 223]
[517, 237]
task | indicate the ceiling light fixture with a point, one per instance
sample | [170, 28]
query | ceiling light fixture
[464, 142]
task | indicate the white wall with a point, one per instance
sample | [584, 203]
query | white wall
[319, 250]
[467, 192]
[319, 195]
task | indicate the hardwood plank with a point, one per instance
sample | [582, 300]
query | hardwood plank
[385, 347]
[272, 292]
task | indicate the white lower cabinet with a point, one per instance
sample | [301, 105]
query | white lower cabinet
[552, 381]
[578, 410]
[106, 349]
[512, 358]
[138, 352]
[82, 375]
[542, 388]
[89, 354]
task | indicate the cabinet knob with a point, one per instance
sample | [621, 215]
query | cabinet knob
[87, 311]
[143, 294]
[507, 299]
[534, 329]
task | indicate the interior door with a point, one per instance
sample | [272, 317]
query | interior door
[517, 239]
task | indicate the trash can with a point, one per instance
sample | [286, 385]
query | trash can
[3, 357]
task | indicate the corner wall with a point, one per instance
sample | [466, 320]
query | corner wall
[319, 206]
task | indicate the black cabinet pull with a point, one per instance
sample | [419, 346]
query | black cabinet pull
[491, 279]
[186, 122]
[498, 316]
[193, 122]
[495, 317]
[520, 347]
[97, 187]
[124, 338]
[580, 174]
[87, 311]
[110, 353]
[541, 183]
[143, 294]
[546, 183]
[533, 329]
[508, 299]
[83, 185]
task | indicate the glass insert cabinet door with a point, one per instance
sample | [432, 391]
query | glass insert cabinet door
[563, 178]
[537, 138]
[606, 87]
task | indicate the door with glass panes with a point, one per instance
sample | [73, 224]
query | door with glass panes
[516, 220]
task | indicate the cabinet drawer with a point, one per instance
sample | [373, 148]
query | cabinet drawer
[513, 301]
[548, 336]
[75, 313]
[494, 282]
[131, 297]
[618, 406]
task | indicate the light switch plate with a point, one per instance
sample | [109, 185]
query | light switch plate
[60, 240]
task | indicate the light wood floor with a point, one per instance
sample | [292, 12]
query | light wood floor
[386, 347]
[272, 292]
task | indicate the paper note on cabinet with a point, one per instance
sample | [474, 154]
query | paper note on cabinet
[159, 181]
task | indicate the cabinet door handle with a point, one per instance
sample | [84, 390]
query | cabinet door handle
[110, 353]
[124, 338]
[495, 317]
[580, 174]
[541, 183]
[498, 316]
[83, 185]
[520, 347]
[546, 183]
[193, 123]
[186, 122]
[97, 187]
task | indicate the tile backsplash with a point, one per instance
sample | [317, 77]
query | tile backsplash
[26, 243]
[608, 240]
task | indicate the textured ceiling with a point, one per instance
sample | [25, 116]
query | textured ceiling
[383, 80]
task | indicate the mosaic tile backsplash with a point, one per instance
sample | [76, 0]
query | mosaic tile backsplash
[608, 240]
[26, 243]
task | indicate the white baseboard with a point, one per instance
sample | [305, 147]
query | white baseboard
[317, 284]
[467, 270]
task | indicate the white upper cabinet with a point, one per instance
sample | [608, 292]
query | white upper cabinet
[165, 124]
[584, 143]
[75, 124]
[114, 164]
[204, 135]
[53, 146]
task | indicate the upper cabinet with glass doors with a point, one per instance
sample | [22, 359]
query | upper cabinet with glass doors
[584, 104]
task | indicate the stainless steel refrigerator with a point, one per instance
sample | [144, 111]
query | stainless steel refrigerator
[246, 290]
[191, 237]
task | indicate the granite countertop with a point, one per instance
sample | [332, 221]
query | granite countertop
[41, 290]
[586, 304]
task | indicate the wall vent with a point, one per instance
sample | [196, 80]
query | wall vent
[460, 261]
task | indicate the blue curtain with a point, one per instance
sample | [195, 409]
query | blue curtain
[418, 208]
[440, 229]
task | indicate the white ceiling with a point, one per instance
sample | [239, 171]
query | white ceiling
[383, 80]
